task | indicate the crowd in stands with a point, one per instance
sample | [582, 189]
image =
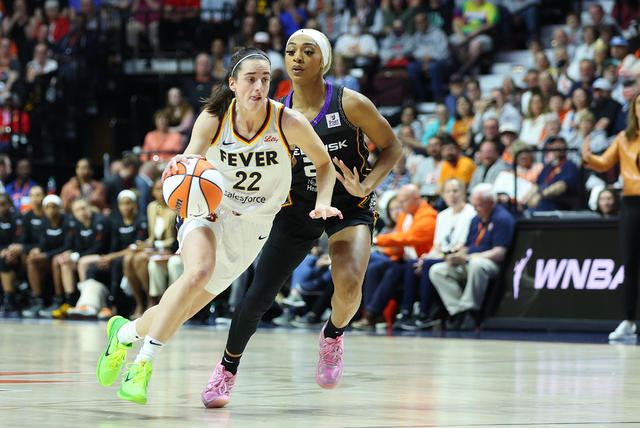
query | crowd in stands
[483, 157]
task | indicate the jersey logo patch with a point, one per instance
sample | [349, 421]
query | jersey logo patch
[333, 120]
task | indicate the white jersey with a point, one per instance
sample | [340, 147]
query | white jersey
[256, 172]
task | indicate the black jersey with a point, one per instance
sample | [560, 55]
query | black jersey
[10, 230]
[123, 235]
[94, 239]
[54, 239]
[32, 226]
[344, 141]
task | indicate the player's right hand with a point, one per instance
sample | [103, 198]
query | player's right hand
[172, 166]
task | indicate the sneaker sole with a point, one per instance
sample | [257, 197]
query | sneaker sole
[102, 356]
[132, 398]
[215, 404]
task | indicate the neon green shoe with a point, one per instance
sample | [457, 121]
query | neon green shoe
[110, 362]
[134, 384]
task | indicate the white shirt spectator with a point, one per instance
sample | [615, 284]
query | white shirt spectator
[365, 44]
[532, 130]
[433, 43]
[452, 229]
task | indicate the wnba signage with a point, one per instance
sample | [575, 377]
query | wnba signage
[563, 270]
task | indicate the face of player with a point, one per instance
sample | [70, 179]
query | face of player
[252, 84]
[127, 207]
[81, 211]
[303, 59]
[52, 211]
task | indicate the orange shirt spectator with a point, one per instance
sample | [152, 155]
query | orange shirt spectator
[83, 185]
[161, 140]
[454, 165]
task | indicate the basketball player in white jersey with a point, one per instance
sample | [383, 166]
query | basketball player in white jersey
[248, 139]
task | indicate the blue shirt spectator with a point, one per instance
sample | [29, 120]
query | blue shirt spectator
[497, 232]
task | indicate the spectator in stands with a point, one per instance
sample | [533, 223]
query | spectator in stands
[573, 28]
[452, 228]
[532, 84]
[533, 123]
[583, 52]
[161, 241]
[10, 229]
[496, 106]
[40, 65]
[181, 114]
[580, 105]
[561, 40]
[542, 63]
[123, 179]
[606, 110]
[409, 118]
[339, 74]
[557, 184]
[472, 90]
[143, 183]
[199, 88]
[368, 17]
[219, 59]
[490, 132]
[145, 19]
[291, 16]
[620, 51]
[361, 49]
[10, 68]
[395, 47]
[510, 91]
[526, 166]
[430, 49]
[397, 10]
[15, 26]
[626, 13]
[330, 21]
[517, 12]
[397, 177]
[598, 17]
[443, 122]
[556, 106]
[462, 279]
[508, 134]
[440, 14]
[547, 85]
[456, 89]
[90, 234]
[608, 203]
[454, 165]
[162, 143]
[491, 164]
[414, 232]
[600, 55]
[18, 190]
[552, 126]
[472, 24]
[82, 185]
[461, 130]
[623, 149]
[276, 33]
[216, 18]
[428, 168]
[244, 37]
[58, 24]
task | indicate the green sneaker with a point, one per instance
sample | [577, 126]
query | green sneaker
[134, 384]
[110, 362]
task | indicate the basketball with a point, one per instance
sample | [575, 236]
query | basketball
[195, 190]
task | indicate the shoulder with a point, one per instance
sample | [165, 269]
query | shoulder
[502, 216]
[467, 161]
[292, 119]
[356, 105]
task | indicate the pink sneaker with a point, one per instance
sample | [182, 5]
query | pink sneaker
[216, 393]
[330, 367]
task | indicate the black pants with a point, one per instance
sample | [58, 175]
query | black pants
[630, 242]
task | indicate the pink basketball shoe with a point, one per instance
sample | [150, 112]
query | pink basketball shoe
[330, 367]
[216, 393]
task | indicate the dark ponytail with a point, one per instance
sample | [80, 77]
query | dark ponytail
[220, 98]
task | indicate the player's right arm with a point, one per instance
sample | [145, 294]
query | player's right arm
[203, 131]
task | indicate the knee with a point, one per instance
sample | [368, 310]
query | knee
[347, 286]
[437, 271]
[198, 276]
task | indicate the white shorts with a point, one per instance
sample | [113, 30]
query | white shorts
[239, 239]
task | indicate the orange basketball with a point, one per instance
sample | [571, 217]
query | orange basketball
[195, 190]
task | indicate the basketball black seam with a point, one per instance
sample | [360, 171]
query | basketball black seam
[174, 189]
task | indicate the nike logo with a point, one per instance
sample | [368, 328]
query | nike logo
[226, 360]
[227, 144]
[262, 237]
[107, 353]
[155, 343]
[127, 378]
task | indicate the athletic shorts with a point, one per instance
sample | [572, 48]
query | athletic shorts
[296, 221]
[239, 239]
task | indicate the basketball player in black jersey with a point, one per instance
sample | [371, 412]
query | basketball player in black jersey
[340, 117]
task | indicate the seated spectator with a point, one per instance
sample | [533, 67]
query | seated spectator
[395, 48]
[18, 190]
[219, 60]
[600, 55]
[143, 183]
[561, 40]
[496, 107]
[452, 228]
[461, 129]
[358, 47]
[396, 10]
[414, 233]
[552, 126]
[533, 123]
[454, 165]
[90, 234]
[162, 143]
[428, 168]
[548, 85]
[161, 241]
[491, 164]
[583, 52]
[579, 106]
[276, 33]
[510, 92]
[598, 17]
[55, 228]
[144, 19]
[57, 23]
[573, 28]
[10, 229]
[443, 122]
[307, 278]
[556, 106]
[564, 82]
[606, 110]
[526, 166]
[409, 118]
[587, 77]
[123, 179]
[462, 279]
[490, 132]
[368, 16]
[608, 203]
[398, 177]
[620, 52]
[430, 49]
[82, 185]
[181, 114]
[557, 184]
[532, 85]
[456, 89]
[339, 74]
[330, 21]
[40, 65]
[517, 13]
[508, 134]
[10, 68]
[587, 134]
[164, 270]
[291, 16]
[471, 25]
[199, 87]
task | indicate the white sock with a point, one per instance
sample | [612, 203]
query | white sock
[149, 347]
[128, 333]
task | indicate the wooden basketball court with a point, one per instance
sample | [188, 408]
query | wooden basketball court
[47, 378]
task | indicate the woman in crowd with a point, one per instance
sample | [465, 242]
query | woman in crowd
[83, 185]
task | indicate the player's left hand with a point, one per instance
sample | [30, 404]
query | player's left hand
[324, 212]
[350, 179]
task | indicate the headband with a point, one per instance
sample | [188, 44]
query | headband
[127, 194]
[249, 56]
[322, 42]
[52, 199]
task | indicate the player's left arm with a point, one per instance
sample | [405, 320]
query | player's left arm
[300, 132]
[362, 113]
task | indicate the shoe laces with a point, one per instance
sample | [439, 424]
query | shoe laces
[220, 382]
[331, 351]
[143, 371]
[118, 355]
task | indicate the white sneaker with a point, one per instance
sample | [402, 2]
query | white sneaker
[625, 330]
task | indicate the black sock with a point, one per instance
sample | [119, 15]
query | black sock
[230, 363]
[332, 331]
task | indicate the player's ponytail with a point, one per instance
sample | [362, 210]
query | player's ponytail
[221, 96]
